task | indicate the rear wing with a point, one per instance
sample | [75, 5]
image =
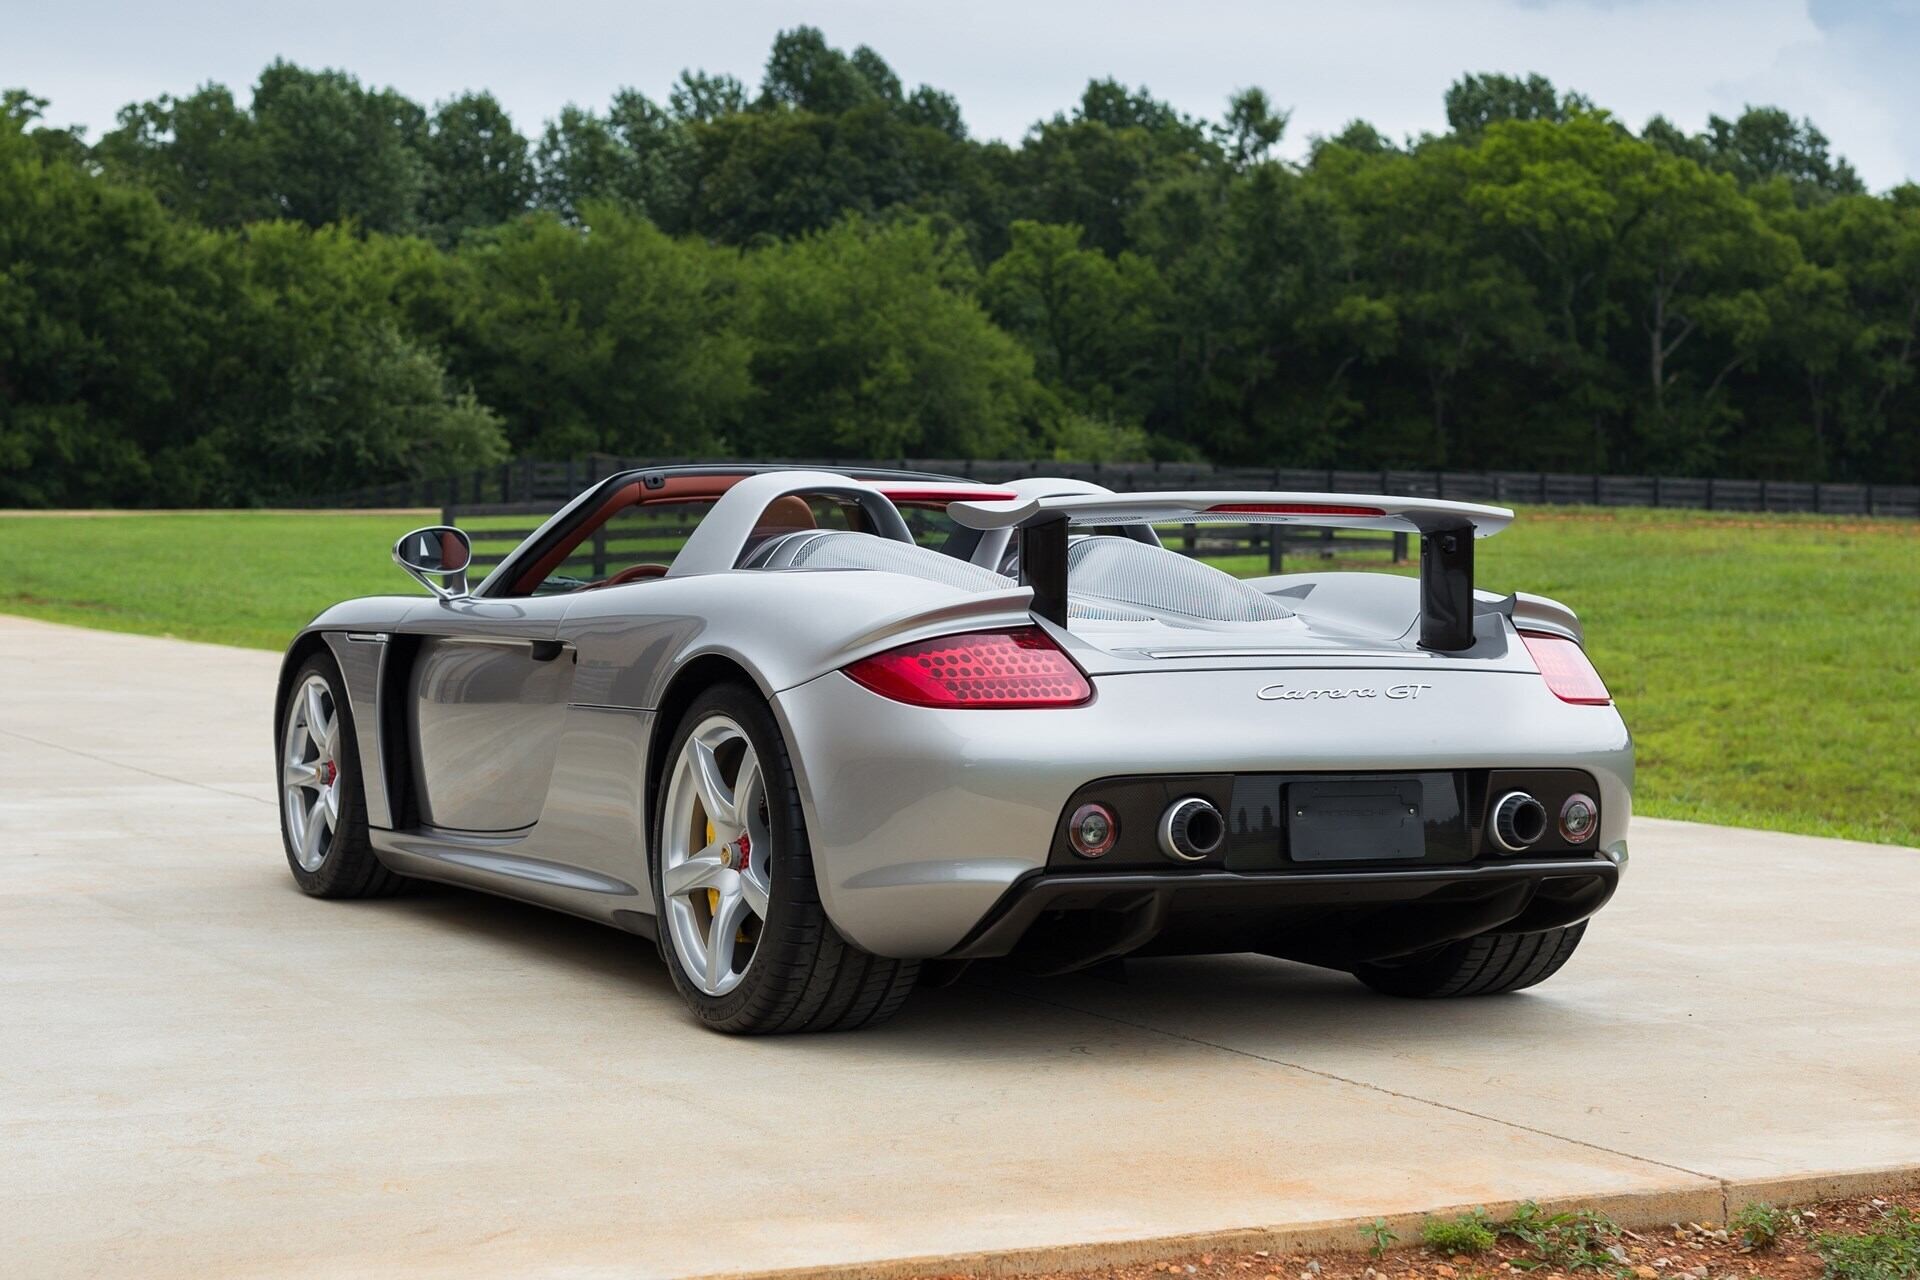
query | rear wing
[1447, 531]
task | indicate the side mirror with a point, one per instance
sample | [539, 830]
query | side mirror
[437, 557]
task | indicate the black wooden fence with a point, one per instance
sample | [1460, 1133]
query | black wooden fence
[528, 484]
[613, 548]
[530, 488]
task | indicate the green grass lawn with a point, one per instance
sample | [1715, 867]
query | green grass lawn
[1767, 664]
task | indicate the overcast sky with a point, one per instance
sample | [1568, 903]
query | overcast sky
[1849, 64]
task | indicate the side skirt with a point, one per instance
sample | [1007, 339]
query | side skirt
[491, 864]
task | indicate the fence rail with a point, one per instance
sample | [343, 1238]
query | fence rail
[523, 485]
[608, 550]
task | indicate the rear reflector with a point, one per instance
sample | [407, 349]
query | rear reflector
[1566, 669]
[993, 670]
[1290, 509]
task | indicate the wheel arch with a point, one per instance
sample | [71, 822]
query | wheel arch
[695, 676]
[304, 646]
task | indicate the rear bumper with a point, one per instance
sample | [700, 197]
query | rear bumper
[921, 821]
[1071, 919]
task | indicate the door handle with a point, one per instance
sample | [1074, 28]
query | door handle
[547, 650]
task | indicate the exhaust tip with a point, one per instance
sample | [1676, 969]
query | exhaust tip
[1519, 822]
[1191, 829]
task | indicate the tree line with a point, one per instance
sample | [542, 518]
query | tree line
[333, 285]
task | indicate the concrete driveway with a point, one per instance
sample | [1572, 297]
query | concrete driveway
[203, 1073]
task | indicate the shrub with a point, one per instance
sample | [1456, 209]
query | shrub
[1758, 1225]
[1564, 1241]
[1380, 1236]
[1891, 1253]
[1469, 1233]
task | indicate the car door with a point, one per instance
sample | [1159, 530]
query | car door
[486, 705]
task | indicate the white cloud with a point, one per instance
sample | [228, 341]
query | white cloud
[1388, 61]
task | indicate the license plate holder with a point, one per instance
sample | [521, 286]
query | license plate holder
[1356, 820]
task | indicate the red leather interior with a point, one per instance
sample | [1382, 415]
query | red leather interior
[632, 573]
[682, 489]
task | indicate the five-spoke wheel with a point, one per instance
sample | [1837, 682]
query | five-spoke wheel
[714, 854]
[740, 919]
[323, 819]
[310, 771]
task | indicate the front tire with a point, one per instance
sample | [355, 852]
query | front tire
[741, 925]
[1486, 965]
[323, 810]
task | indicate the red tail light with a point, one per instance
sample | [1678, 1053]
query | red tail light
[1022, 667]
[1566, 669]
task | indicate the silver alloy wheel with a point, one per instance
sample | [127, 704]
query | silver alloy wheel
[310, 772]
[714, 853]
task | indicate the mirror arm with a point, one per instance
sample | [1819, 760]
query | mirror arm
[446, 584]
[454, 586]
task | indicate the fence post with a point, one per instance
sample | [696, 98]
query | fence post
[1276, 548]
[1596, 489]
[1710, 493]
[1399, 548]
[529, 478]
[1817, 487]
[1439, 484]
[1870, 500]
[1657, 496]
[1186, 538]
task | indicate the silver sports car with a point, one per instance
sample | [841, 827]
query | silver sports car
[853, 730]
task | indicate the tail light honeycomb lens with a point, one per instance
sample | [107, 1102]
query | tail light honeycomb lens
[1022, 667]
[1564, 666]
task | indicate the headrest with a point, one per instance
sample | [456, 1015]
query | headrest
[784, 515]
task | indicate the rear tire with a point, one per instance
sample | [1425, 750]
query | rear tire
[798, 973]
[323, 809]
[1486, 965]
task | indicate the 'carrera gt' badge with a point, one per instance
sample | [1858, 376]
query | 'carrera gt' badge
[1288, 693]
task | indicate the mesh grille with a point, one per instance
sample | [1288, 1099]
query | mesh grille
[1153, 578]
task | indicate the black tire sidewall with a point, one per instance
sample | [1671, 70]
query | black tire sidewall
[793, 909]
[350, 844]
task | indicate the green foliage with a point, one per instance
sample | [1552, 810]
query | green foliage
[1573, 1240]
[1086, 317]
[1475, 101]
[867, 341]
[1890, 1253]
[618, 338]
[1758, 1225]
[1470, 1233]
[1536, 289]
[1379, 1236]
[479, 169]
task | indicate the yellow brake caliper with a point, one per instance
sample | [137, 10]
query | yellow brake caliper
[713, 895]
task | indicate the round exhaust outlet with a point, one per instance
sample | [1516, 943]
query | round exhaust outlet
[1519, 822]
[1191, 829]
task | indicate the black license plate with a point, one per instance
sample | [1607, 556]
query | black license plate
[1362, 820]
